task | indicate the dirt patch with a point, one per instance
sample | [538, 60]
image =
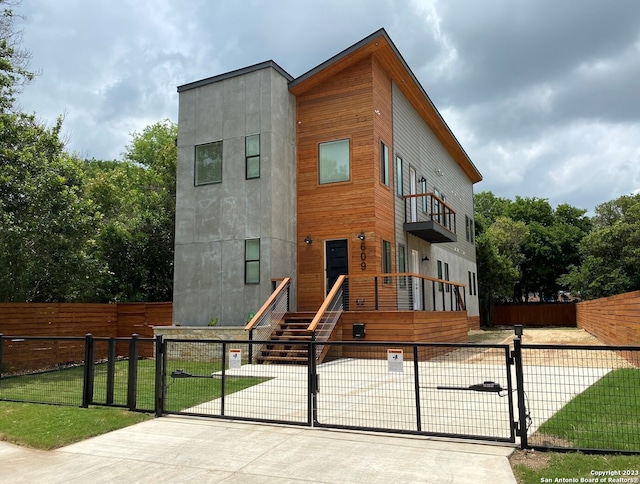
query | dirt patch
[530, 458]
[537, 336]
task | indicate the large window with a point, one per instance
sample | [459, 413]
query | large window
[209, 163]
[252, 156]
[386, 260]
[334, 163]
[399, 187]
[384, 164]
[252, 261]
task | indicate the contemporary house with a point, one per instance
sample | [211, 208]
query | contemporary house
[348, 170]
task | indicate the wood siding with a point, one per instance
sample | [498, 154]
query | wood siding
[343, 107]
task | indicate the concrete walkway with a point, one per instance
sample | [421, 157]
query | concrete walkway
[182, 449]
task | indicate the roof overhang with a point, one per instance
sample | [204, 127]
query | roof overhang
[380, 46]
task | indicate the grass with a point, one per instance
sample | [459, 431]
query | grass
[604, 416]
[51, 426]
[576, 466]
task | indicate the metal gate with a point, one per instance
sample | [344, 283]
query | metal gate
[453, 390]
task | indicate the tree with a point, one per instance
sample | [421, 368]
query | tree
[46, 223]
[610, 252]
[137, 200]
[498, 255]
[14, 61]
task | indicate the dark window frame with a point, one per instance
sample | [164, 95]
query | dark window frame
[248, 261]
[196, 171]
[248, 158]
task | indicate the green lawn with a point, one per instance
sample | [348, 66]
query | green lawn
[52, 426]
[604, 416]
[64, 386]
[551, 466]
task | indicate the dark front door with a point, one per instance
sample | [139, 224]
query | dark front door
[337, 261]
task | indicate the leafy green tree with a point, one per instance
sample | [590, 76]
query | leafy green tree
[46, 223]
[498, 256]
[14, 61]
[137, 200]
[610, 252]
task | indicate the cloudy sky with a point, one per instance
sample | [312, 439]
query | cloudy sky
[544, 95]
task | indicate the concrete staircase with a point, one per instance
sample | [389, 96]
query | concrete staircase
[293, 328]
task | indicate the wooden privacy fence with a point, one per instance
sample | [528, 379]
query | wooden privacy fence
[535, 314]
[118, 320]
[613, 320]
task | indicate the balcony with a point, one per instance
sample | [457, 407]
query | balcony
[430, 218]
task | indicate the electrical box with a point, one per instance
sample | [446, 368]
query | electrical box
[359, 330]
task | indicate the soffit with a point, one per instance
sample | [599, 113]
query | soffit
[380, 46]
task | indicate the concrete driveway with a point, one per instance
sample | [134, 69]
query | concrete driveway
[182, 449]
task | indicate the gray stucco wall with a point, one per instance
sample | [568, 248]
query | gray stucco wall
[420, 149]
[213, 221]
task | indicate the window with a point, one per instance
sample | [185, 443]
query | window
[472, 232]
[402, 265]
[209, 163]
[423, 187]
[334, 161]
[446, 276]
[252, 261]
[469, 228]
[386, 260]
[475, 289]
[252, 156]
[440, 285]
[399, 187]
[384, 164]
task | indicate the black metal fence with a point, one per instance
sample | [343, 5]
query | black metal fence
[549, 396]
[54, 370]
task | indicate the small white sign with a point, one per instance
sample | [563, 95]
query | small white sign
[235, 358]
[394, 358]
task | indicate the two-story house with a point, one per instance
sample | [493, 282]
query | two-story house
[348, 169]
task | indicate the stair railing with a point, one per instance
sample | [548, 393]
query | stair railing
[327, 316]
[269, 316]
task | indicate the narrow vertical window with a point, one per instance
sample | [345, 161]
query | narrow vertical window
[470, 285]
[252, 156]
[208, 161]
[386, 260]
[399, 187]
[423, 185]
[446, 276]
[252, 261]
[475, 289]
[440, 285]
[467, 227]
[384, 164]
[402, 265]
[472, 232]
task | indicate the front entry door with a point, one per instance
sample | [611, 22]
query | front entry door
[337, 262]
[415, 268]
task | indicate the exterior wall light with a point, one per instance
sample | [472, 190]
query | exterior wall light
[361, 236]
[307, 240]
